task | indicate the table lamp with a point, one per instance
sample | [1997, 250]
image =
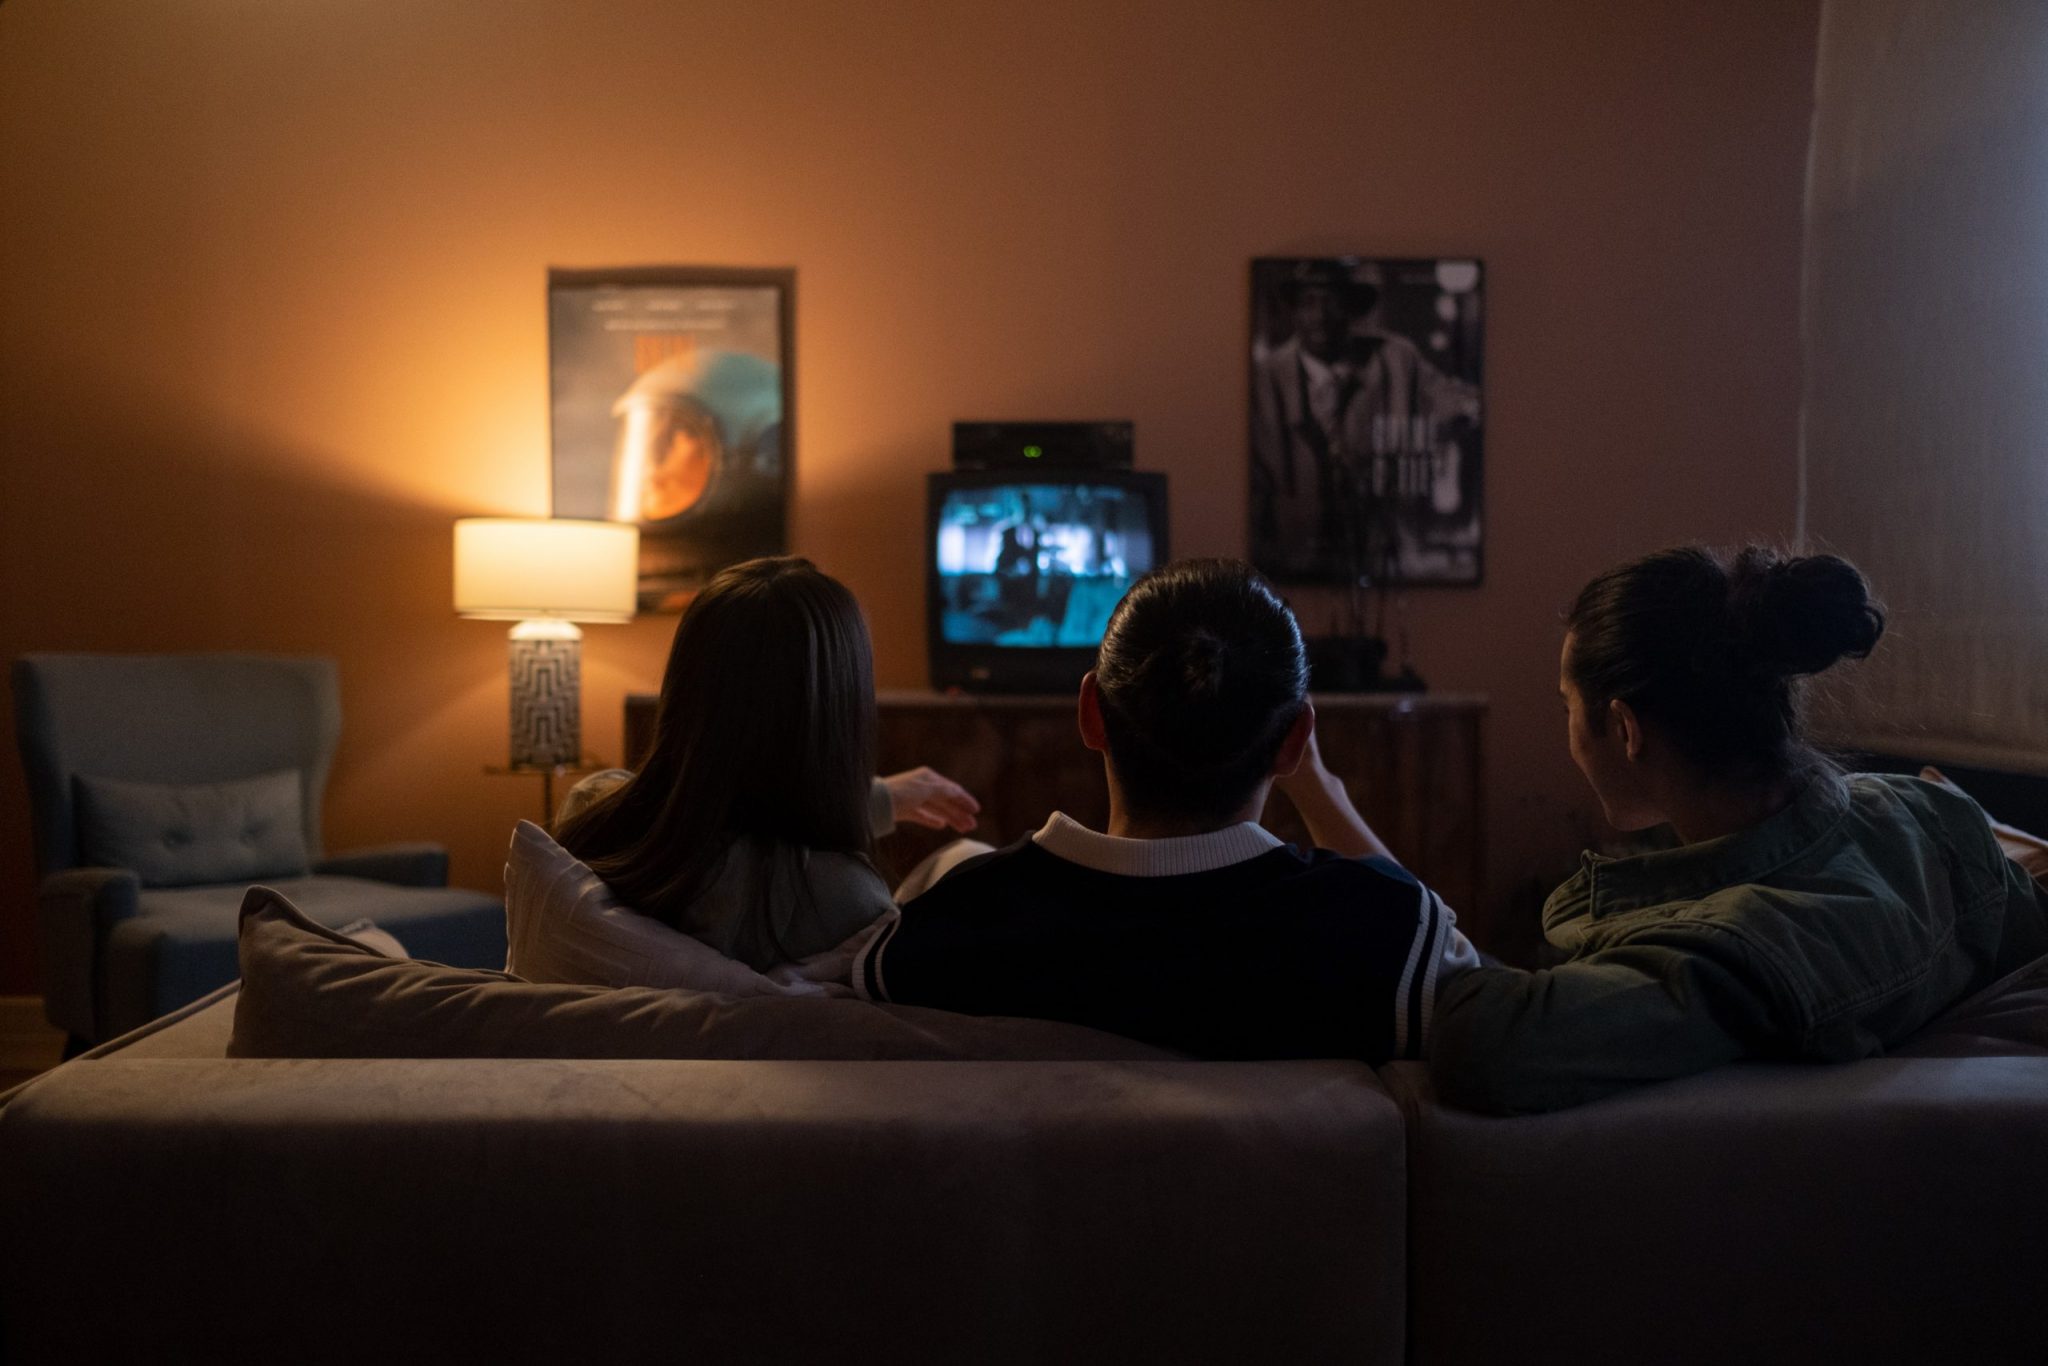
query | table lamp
[546, 574]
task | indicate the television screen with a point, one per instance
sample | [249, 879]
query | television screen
[1037, 565]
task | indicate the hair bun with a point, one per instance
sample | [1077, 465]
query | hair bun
[1201, 663]
[1801, 615]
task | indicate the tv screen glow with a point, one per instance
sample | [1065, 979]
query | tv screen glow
[1034, 565]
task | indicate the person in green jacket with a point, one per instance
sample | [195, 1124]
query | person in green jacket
[1805, 914]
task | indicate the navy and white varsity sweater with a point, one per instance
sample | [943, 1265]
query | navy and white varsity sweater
[1224, 945]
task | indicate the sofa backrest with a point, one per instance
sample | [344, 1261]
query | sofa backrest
[1879, 1211]
[202, 718]
[539, 1210]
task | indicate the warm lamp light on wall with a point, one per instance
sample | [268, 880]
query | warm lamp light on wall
[546, 574]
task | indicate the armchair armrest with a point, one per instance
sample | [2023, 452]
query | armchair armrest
[407, 865]
[74, 910]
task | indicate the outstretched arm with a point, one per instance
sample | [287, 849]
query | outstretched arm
[924, 797]
[1672, 1001]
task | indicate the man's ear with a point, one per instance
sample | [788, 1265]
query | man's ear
[1628, 727]
[1295, 743]
[1090, 715]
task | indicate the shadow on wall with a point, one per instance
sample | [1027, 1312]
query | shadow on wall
[146, 527]
[875, 522]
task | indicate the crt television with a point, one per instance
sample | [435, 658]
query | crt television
[1025, 566]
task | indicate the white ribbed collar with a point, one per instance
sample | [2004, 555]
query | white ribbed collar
[1064, 837]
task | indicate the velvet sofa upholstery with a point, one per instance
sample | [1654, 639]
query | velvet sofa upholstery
[165, 1201]
[1889, 1210]
[222, 1180]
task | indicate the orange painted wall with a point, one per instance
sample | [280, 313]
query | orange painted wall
[271, 306]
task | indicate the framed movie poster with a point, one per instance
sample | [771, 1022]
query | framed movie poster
[1367, 429]
[670, 406]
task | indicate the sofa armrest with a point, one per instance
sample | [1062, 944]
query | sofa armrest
[1887, 1210]
[406, 865]
[74, 910]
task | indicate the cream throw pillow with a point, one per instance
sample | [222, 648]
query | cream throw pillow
[563, 924]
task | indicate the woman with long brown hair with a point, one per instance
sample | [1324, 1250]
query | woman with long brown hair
[751, 823]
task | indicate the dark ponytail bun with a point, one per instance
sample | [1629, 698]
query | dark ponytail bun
[1802, 615]
[1709, 646]
[1200, 673]
[1203, 664]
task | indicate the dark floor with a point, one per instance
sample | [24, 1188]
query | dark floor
[29, 1044]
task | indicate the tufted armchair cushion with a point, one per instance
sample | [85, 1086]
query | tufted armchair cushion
[187, 834]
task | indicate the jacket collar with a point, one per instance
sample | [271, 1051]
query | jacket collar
[1615, 886]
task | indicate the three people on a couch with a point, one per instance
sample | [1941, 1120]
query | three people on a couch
[1806, 913]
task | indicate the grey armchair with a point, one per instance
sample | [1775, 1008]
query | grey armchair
[160, 786]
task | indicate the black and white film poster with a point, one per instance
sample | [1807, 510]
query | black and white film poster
[1367, 426]
[670, 404]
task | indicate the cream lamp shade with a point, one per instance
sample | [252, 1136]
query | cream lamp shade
[546, 574]
[528, 569]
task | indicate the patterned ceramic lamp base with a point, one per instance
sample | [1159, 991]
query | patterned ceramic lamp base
[547, 710]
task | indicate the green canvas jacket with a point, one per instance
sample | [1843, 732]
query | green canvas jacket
[1831, 931]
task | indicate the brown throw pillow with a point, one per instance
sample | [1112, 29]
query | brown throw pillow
[308, 992]
[2028, 851]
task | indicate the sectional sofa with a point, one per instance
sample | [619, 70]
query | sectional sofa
[163, 1200]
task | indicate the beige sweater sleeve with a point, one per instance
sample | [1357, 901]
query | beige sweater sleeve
[587, 791]
[881, 809]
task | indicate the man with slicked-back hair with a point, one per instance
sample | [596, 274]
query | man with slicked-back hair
[1186, 924]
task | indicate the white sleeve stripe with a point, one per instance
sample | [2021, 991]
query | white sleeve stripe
[857, 978]
[875, 958]
[867, 964]
[1440, 923]
[1404, 988]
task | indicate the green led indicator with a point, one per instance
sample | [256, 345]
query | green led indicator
[1033, 452]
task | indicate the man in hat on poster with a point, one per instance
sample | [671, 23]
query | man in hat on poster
[1336, 409]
